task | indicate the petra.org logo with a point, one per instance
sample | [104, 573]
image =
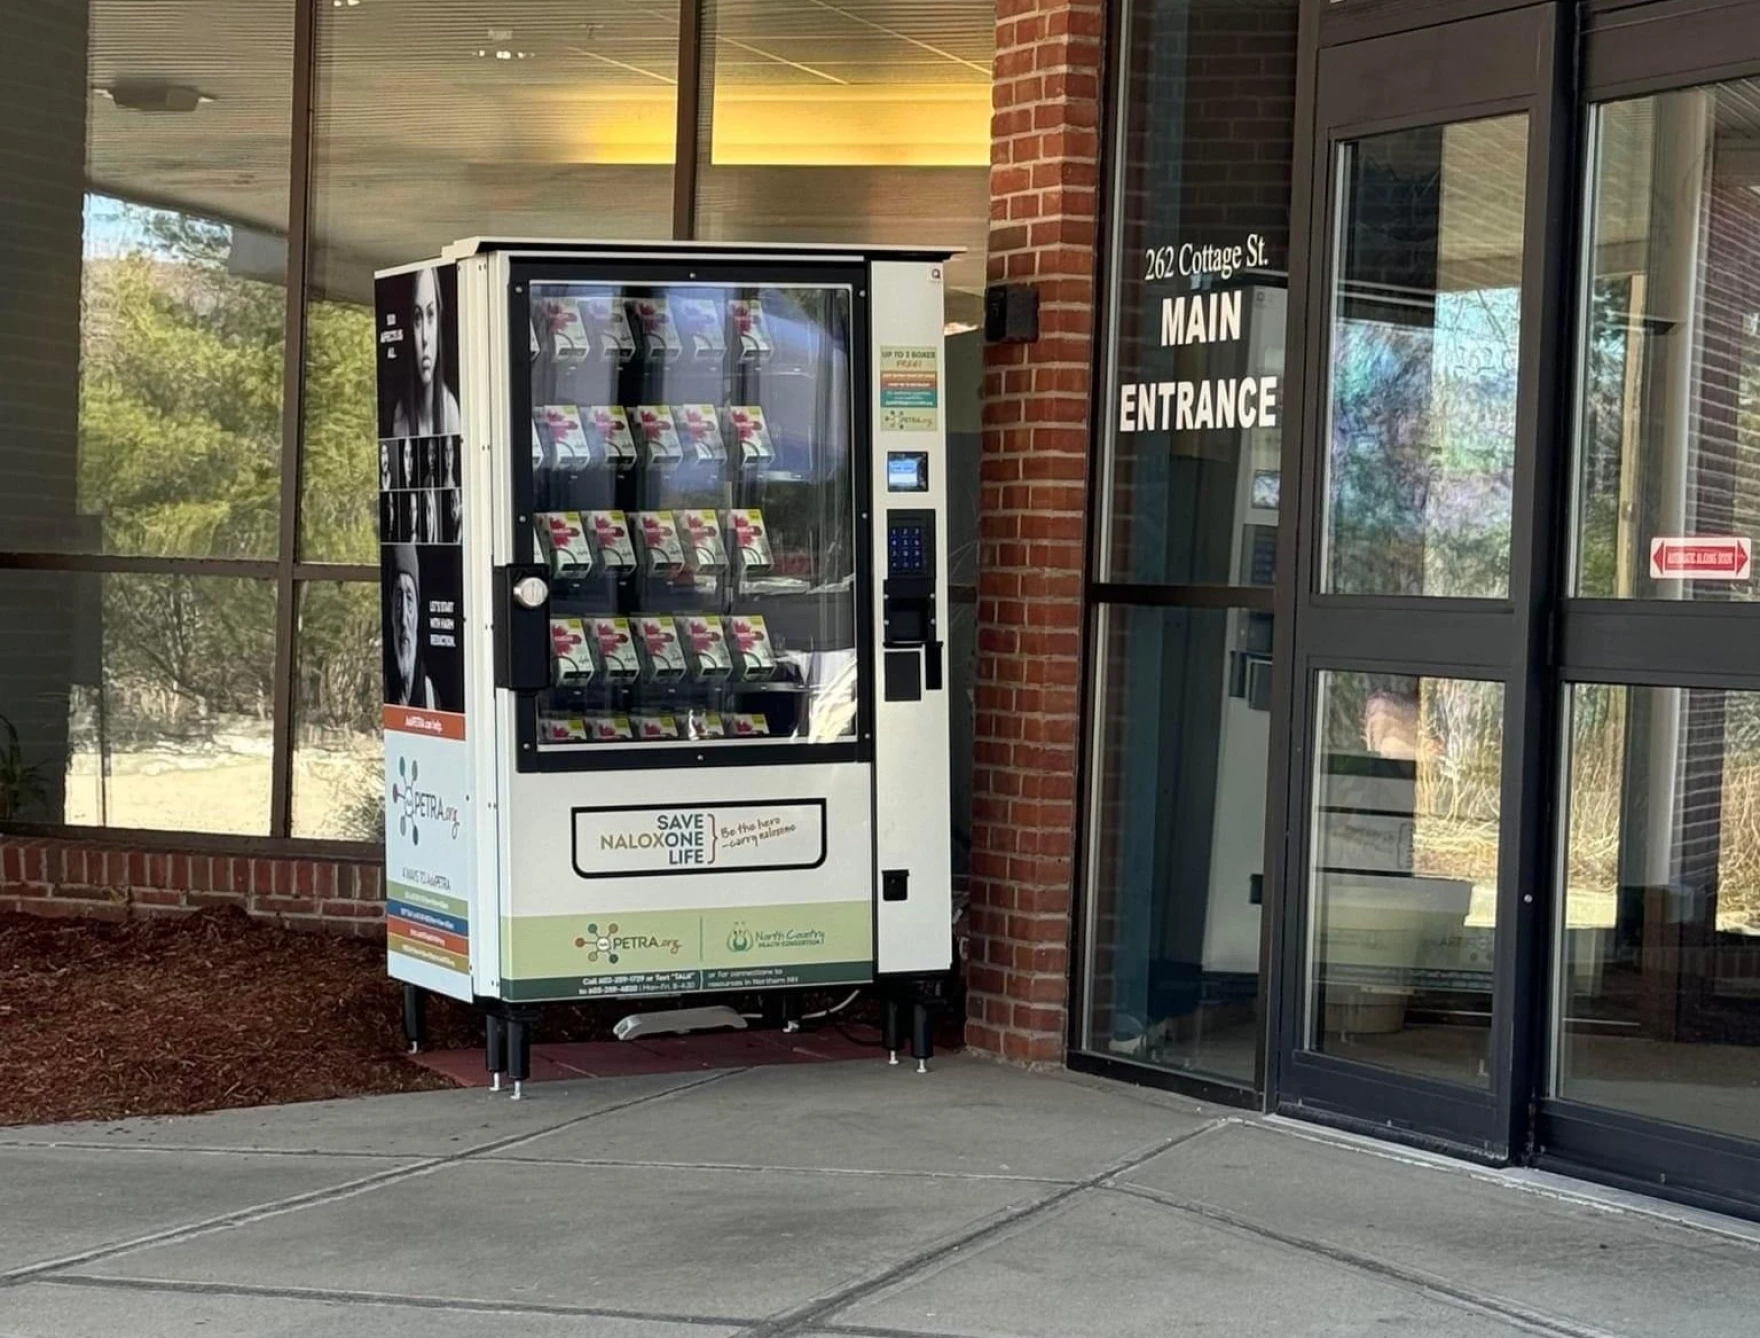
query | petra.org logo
[415, 807]
[598, 945]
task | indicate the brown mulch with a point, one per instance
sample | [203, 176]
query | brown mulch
[176, 1015]
[201, 1012]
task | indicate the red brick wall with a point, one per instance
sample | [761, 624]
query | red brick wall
[1045, 145]
[44, 877]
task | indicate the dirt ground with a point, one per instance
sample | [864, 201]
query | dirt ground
[202, 1012]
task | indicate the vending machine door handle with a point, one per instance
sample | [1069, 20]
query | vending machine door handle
[522, 628]
[932, 667]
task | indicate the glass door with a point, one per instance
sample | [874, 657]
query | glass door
[1416, 604]
[691, 495]
[1654, 1030]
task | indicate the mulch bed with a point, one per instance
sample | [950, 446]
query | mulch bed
[170, 1016]
[201, 1012]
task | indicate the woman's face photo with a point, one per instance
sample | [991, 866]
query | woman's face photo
[409, 463]
[384, 466]
[425, 324]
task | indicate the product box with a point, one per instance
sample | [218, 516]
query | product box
[571, 652]
[562, 728]
[753, 655]
[607, 327]
[568, 333]
[706, 725]
[700, 428]
[705, 646]
[563, 537]
[746, 426]
[658, 434]
[660, 541]
[655, 726]
[700, 326]
[662, 655]
[608, 728]
[747, 315]
[608, 434]
[751, 541]
[653, 317]
[537, 447]
[750, 727]
[704, 552]
[532, 330]
[560, 426]
[617, 648]
[610, 535]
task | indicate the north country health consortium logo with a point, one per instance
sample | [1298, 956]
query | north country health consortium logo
[739, 939]
[608, 944]
[416, 807]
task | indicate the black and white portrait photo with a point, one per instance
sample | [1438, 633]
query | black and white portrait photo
[424, 655]
[406, 676]
[418, 354]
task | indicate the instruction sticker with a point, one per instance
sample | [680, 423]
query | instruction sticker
[910, 389]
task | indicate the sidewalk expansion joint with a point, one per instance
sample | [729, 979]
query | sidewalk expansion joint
[756, 1168]
[329, 1296]
[336, 1193]
[812, 1314]
[1488, 1303]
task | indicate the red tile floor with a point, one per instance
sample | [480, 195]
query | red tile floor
[661, 1054]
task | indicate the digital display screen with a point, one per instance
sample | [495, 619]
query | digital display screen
[907, 471]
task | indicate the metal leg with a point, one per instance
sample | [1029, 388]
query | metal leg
[922, 1036]
[519, 1052]
[495, 1048]
[891, 1029]
[415, 1017]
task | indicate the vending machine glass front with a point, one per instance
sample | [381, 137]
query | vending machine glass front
[693, 497]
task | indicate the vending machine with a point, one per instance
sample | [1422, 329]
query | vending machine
[662, 561]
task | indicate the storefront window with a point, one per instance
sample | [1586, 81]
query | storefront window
[1199, 256]
[1406, 832]
[560, 124]
[1658, 977]
[1191, 495]
[1176, 864]
[144, 265]
[1426, 331]
[1668, 468]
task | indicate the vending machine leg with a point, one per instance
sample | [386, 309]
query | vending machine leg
[891, 1028]
[519, 1051]
[922, 1035]
[495, 1048]
[415, 1017]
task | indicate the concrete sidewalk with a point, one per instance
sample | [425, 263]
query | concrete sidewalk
[810, 1201]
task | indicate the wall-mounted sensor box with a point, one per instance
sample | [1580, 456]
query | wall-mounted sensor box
[1011, 313]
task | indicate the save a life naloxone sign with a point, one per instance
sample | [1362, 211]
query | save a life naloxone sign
[723, 838]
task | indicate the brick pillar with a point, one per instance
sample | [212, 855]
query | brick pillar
[1043, 176]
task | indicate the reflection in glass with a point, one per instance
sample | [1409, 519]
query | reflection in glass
[139, 701]
[1659, 959]
[558, 121]
[1403, 871]
[1197, 505]
[1668, 439]
[1425, 338]
[839, 123]
[144, 259]
[692, 472]
[338, 752]
[1177, 837]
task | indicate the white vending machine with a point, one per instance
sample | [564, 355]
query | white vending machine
[666, 709]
